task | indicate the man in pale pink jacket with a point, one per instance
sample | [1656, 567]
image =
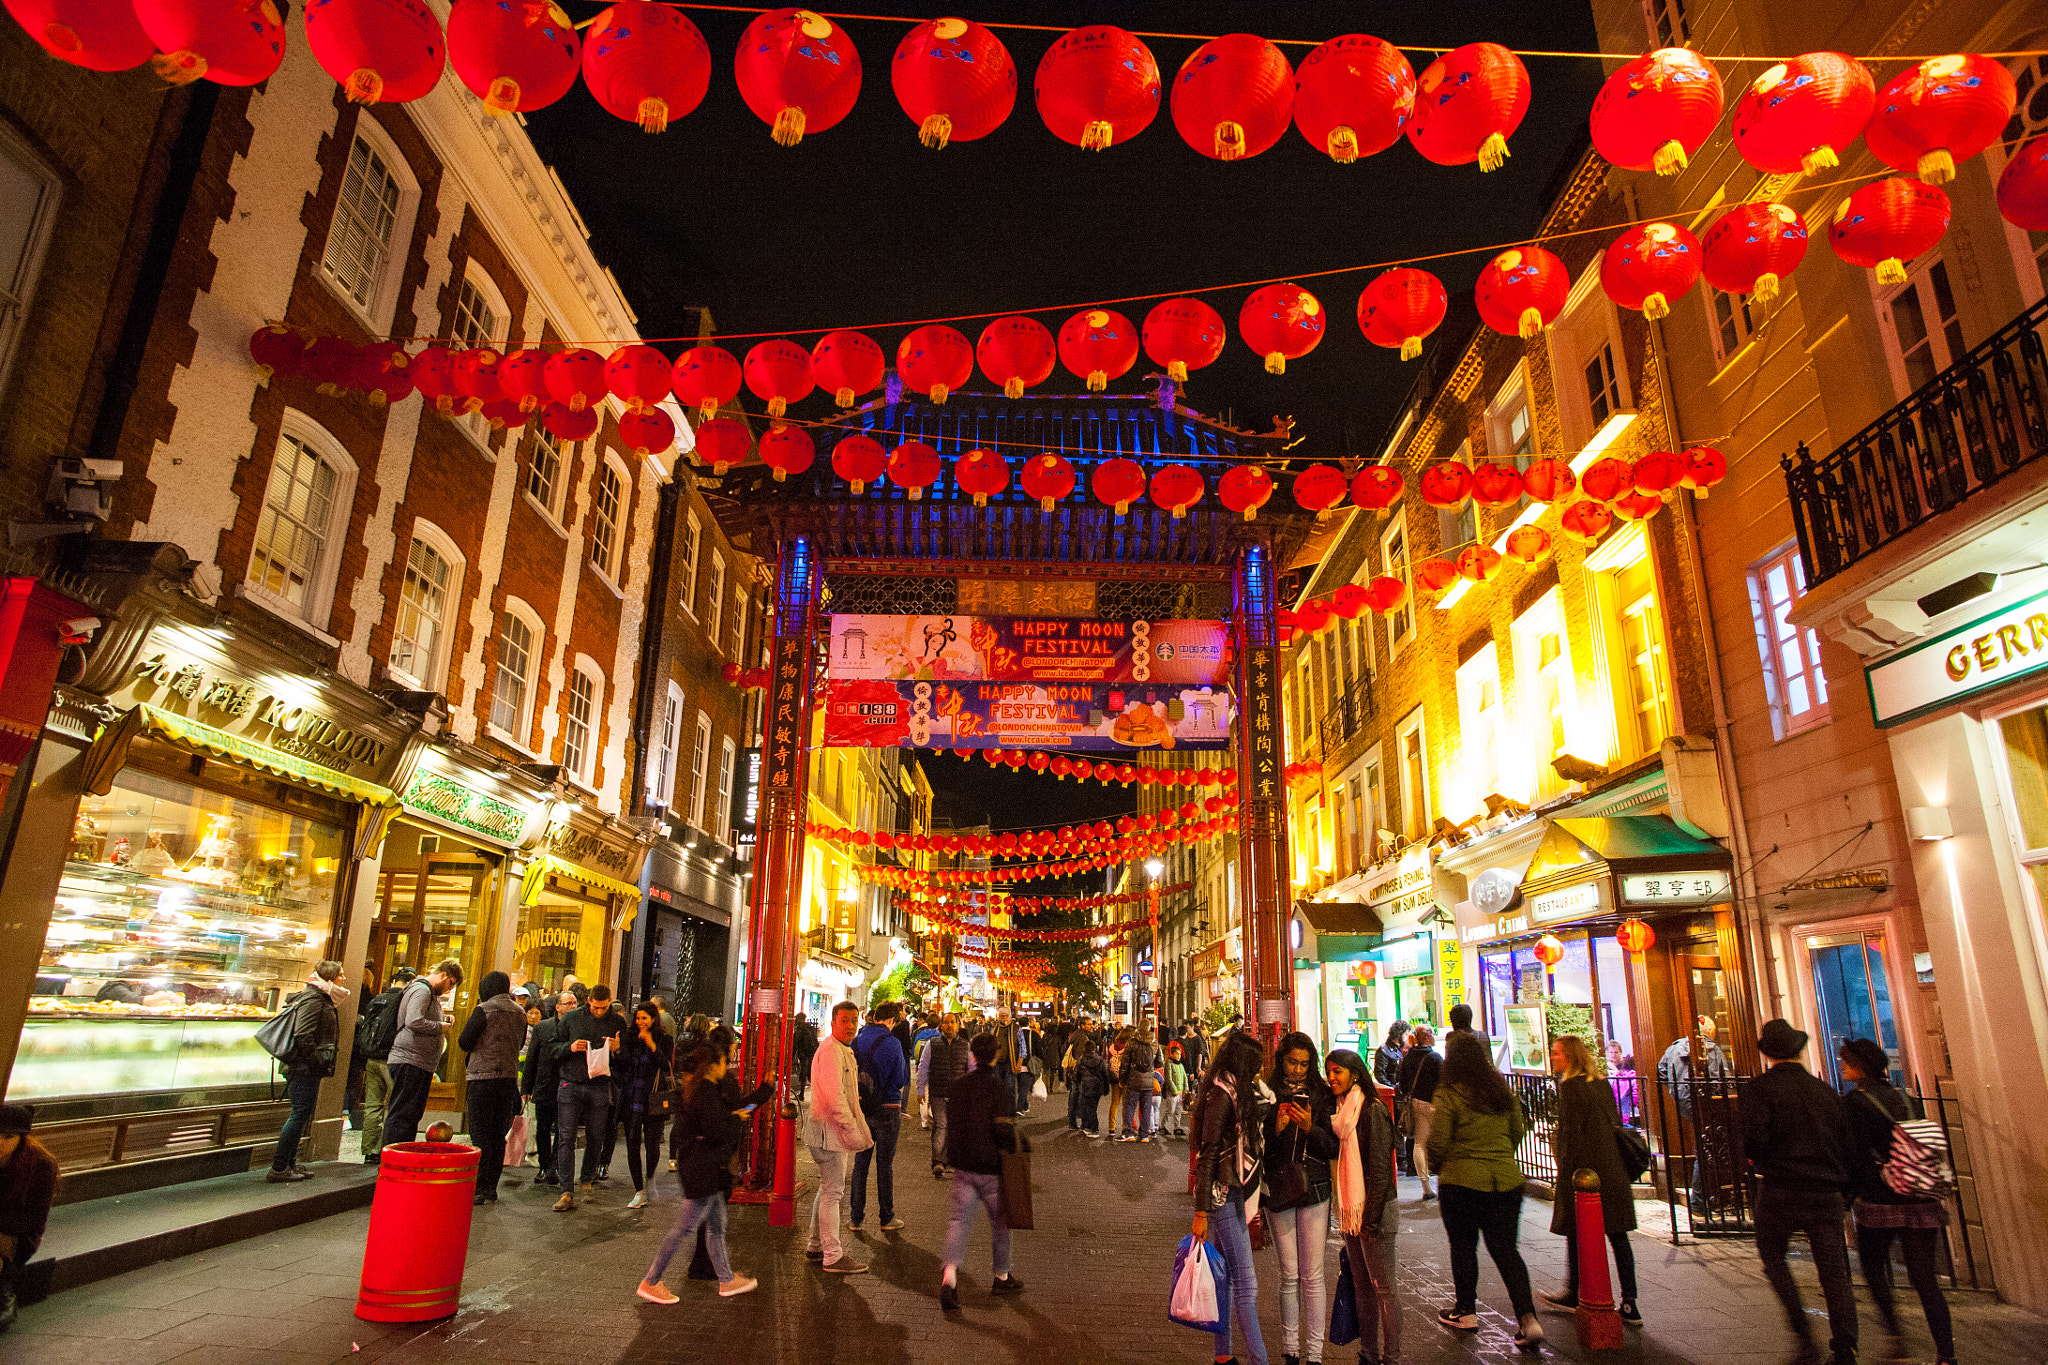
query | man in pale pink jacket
[834, 1130]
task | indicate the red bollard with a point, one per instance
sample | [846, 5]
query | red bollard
[419, 1232]
[1599, 1326]
[782, 1204]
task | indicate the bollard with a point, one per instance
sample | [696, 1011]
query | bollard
[419, 1232]
[1599, 1325]
[782, 1205]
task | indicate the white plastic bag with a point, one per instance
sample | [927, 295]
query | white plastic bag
[598, 1061]
[1038, 1091]
[1194, 1292]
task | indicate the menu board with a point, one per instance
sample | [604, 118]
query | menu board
[1528, 1039]
[960, 648]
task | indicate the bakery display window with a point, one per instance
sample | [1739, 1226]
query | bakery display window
[183, 920]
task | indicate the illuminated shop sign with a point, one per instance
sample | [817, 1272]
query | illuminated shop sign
[1986, 653]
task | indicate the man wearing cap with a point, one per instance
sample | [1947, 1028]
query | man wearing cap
[28, 1186]
[1795, 1134]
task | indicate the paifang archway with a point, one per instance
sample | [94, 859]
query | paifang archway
[884, 551]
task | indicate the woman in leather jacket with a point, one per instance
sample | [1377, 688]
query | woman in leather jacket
[1230, 1143]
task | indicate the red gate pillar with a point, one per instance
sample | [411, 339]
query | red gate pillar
[1268, 990]
[772, 954]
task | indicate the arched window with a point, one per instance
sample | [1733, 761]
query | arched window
[520, 636]
[293, 563]
[580, 719]
[364, 260]
[426, 608]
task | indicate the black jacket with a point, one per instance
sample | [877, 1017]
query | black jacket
[580, 1025]
[975, 1106]
[1313, 1150]
[1868, 1113]
[1215, 1144]
[1418, 1074]
[539, 1073]
[1584, 1139]
[1793, 1130]
[707, 1133]
[945, 1062]
[1386, 1065]
[316, 1033]
[1091, 1077]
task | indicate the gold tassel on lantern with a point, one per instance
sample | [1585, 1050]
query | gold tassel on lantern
[1656, 306]
[981, 499]
[1013, 387]
[363, 86]
[1891, 270]
[1819, 159]
[916, 494]
[178, 68]
[1122, 508]
[1670, 159]
[1045, 504]
[939, 392]
[1766, 287]
[1097, 135]
[1532, 323]
[1251, 513]
[503, 98]
[1276, 363]
[1937, 167]
[1230, 141]
[777, 406]
[1177, 371]
[654, 114]
[1411, 347]
[1493, 153]
[707, 409]
[1342, 145]
[789, 126]
[934, 131]
[843, 397]
[1098, 380]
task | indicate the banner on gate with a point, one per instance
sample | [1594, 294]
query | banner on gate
[882, 713]
[957, 648]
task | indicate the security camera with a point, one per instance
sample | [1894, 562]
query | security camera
[77, 630]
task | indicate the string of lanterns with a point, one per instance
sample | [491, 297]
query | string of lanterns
[1064, 766]
[1092, 852]
[1027, 844]
[929, 911]
[983, 903]
[1633, 936]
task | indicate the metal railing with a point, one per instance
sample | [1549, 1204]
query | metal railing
[1538, 1094]
[1964, 430]
[1348, 715]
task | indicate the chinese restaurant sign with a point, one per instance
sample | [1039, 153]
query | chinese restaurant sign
[961, 648]
[1676, 888]
[883, 713]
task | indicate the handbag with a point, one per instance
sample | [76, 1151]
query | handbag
[666, 1093]
[1635, 1150]
[1199, 1299]
[1404, 1115]
[275, 1034]
[1016, 1187]
[515, 1142]
[1344, 1309]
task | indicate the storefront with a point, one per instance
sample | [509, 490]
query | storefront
[682, 944]
[577, 896]
[1217, 972]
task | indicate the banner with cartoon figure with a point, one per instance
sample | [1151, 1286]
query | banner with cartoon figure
[921, 714]
[949, 648]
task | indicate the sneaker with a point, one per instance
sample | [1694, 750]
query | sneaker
[738, 1284]
[604, 1175]
[813, 1254]
[853, 1226]
[587, 1188]
[1464, 1319]
[1630, 1314]
[938, 1171]
[1009, 1284]
[565, 1203]
[1094, 1133]
[655, 1293]
[541, 1177]
[1564, 1302]
[638, 1201]
[1530, 1333]
[949, 1298]
[846, 1265]
[893, 1225]
[284, 1177]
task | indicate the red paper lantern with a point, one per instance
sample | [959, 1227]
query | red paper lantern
[501, 413]
[637, 375]
[1495, 484]
[522, 377]
[722, 443]
[390, 50]
[1386, 594]
[1752, 248]
[1549, 479]
[1378, 487]
[1177, 488]
[914, 467]
[1446, 484]
[433, 373]
[277, 350]
[1313, 616]
[384, 373]
[1607, 478]
[1098, 345]
[1233, 97]
[229, 42]
[646, 63]
[1634, 936]
[1245, 488]
[1400, 308]
[779, 373]
[1118, 483]
[1047, 478]
[955, 79]
[849, 364]
[1353, 95]
[1659, 474]
[1799, 115]
[707, 376]
[576, 378]
[1522, 291]
[2023, 187]
[1657, 111]
[1650, 265]
[1183, 335]
[935, 360]
[1282, 322]
[565, 423]
[1884, 224]
[95, 34]
[330, 363]
[1704, 468]
[1478, 563]
[859, 460]
[1015, 352]
[798, 71]
[476, 377]
[787, 450]
[1435, 574]
[1468, 103]
[1585, 521]
[1549, 950]
[1348, 601]
[1944, 110]
[649, 431]
[1528, 544]
[1097, 86]
[1634, 506]
[982, 473]
[1319, 487]
[514, 55]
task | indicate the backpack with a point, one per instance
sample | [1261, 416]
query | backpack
[377, 1027]
[1916, 1165]
[870, 1081]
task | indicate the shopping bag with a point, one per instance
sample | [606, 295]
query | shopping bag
[515, 1142]
[1199, 1298]
[1344, 1310]
[598, 1061]
[1038, 1090]
[1016, 1185]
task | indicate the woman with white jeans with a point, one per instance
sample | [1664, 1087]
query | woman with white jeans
[1300, 1143]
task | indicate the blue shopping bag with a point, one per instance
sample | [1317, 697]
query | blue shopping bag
[1187, 1303]
[1344, 1310]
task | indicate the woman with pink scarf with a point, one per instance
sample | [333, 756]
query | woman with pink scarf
[1366, 1205]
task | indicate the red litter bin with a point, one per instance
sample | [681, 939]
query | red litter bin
[419, 1232]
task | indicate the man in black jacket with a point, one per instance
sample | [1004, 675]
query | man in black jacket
[316, 1038]
[376, 1029]
[978, 1129]
[940, 1068]
[539, 1078]
[581, 1098]
[1794, 1133]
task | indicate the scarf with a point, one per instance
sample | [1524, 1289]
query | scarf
[1350, 1166]
[333, 990]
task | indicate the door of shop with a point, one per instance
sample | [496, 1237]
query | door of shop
[1855, 999]
[1706, 991]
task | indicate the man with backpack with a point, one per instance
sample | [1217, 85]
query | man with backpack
[376, 1030]
[416, 1050]
[1796, 1138]
[1141, 1089]
[308, 1060]
[1901, 1178]
[883, 1075]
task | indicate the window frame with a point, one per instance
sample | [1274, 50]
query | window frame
[1401, 621]
[1482, 728]
[316, 612]
[1416, 805]
[1943, 349]
[1587, 311]
[1545, 616]
[564, 455]
[668, 746]
[18, 296]
[1606, 565]
[1458, 527]
[519, 734]
[613, 523]
[474, 276]
[742, 603]
[1680, 24]
[700, 768]
[1767, 617]
[583, 771]
[693, 549]
[1740, 318]
[438, 654]
[377, 313]
[2029, 257]
[728, 777]
[714, 599]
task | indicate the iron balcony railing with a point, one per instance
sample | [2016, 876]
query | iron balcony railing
[1347, 716]
[1969, 427]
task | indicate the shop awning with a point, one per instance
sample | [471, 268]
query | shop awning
[538, 871]
[1339, 917]
[109, 753]
[1629, 838]
[1346, 947]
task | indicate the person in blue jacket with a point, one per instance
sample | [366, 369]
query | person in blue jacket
[880, 1057]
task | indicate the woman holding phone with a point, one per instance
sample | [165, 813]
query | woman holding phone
[1300, 1144]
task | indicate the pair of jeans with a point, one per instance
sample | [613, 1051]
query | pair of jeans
[407, 1104]
[708, 1213]
[643, 1144]
[1169, 1112]
[1496, 1215]
[938, 1104]
[1819, 1214]
[302, 1088]
[1922, 1247]
[1374, 1262]
[1020, 1086]
[1141, 1113]
[884, 1126]
[1425, 1114]
[544, 1133]
[825, 1208]
[492, 1103]
[968, 1187]
[1624, 1262]
[376, 1092]
[1233, 1240]
[587, 1104]
[1299, 1235]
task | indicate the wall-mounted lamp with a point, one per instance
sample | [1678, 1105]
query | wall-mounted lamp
[1929, 822]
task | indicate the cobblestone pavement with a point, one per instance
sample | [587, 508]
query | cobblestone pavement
[554, 1288]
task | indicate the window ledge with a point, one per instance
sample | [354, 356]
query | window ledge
[276, 606]
[482, 443]
[397, 674]
[495, 733]
[545, 515]
[606, 579]
[347, 300]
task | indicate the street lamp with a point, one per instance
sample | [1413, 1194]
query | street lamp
[1153, 868]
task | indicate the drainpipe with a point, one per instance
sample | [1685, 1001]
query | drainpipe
[667, 507]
